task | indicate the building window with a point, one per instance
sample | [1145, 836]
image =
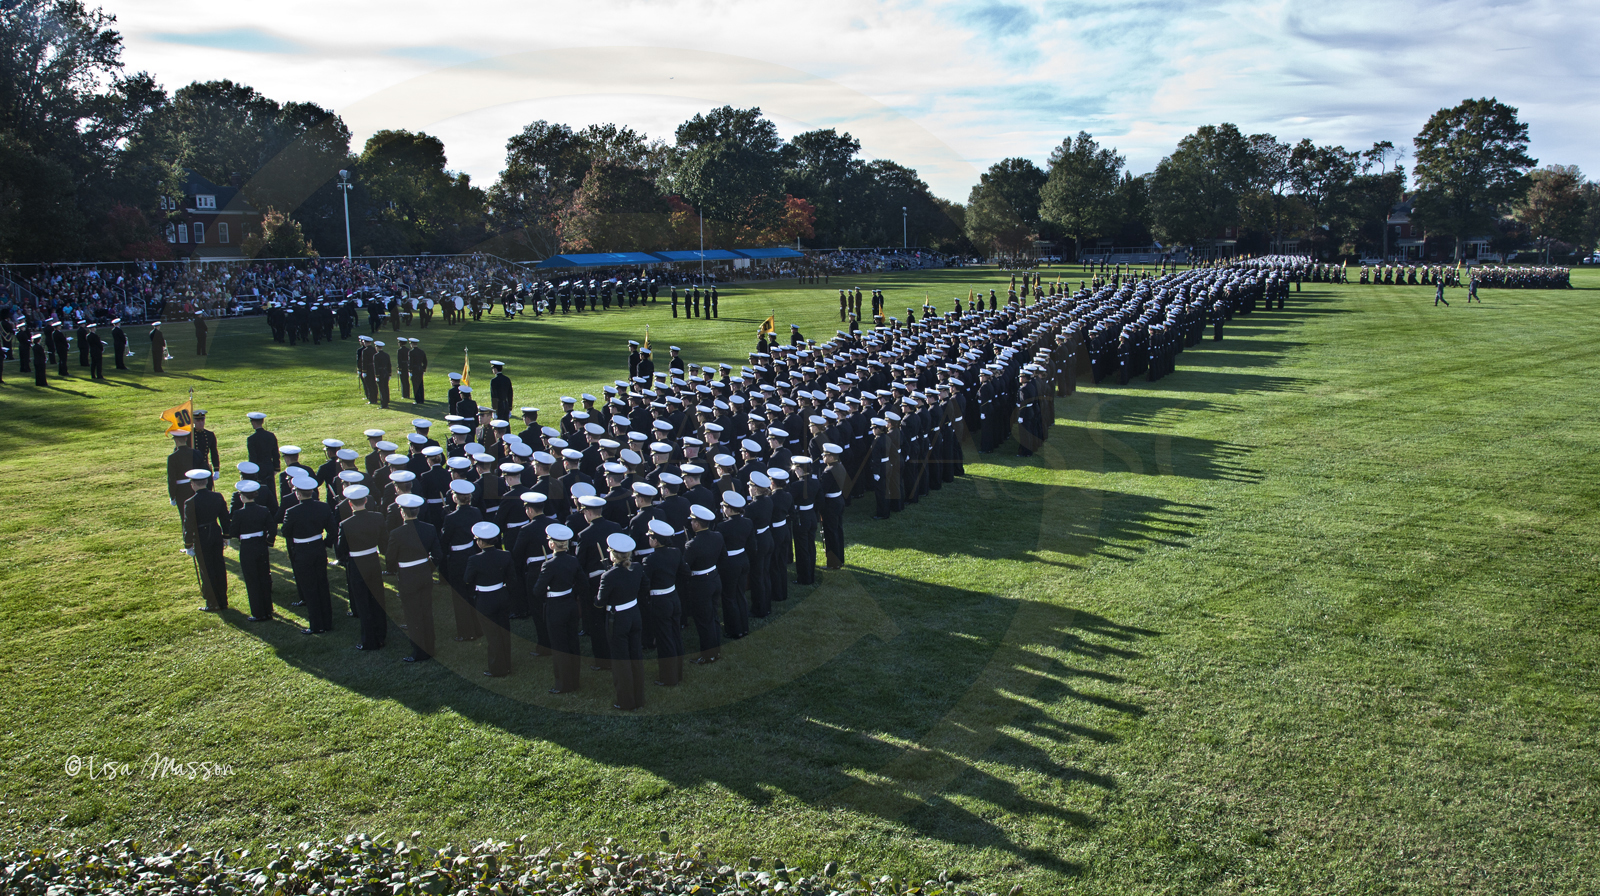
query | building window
[172, 234]
[199, 232]
[209, 202]
[222, 233]
[183, 233]
[163, 203]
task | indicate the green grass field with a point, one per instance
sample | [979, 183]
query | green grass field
[1316, 614]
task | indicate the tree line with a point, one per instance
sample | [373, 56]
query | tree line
[1472, 178]
[88, 152]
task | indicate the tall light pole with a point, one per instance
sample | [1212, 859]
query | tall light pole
[905, 241]
[344, 187]
[702, 248]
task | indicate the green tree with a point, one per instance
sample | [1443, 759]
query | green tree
[1554, 208]
[1322, 176]
[818, 166]
[280, 237]
[410, 203]
[65, 109]
[39, 216]
[1195, 192]
[1003, 207]
[1589, 230]
[727, 164]
[545, 164]
[616, 209]
[1080, 194]
[1472, 164]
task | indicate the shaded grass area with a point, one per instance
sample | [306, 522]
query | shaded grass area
[1314, 614]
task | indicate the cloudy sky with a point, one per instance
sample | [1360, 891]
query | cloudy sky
[945, 87]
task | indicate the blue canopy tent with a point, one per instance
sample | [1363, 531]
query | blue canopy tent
[763, 254]
[698, 255]
[598, 259]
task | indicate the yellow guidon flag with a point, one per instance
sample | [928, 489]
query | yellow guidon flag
[466, 368]
[180, 417]
[767, 326]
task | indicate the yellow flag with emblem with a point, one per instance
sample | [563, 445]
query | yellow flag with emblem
[769, 325]
[466, 368]
[180, 417]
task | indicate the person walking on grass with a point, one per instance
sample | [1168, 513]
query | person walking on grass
[1438, 295]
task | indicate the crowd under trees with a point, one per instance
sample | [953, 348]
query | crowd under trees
[87, 150]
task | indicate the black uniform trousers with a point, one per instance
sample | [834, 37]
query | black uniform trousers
[213, 571]
[562, 617]
[365, 581]
[415, 585]
[778, 564]
[805, 553]
[310, 565]
[495, 608]
[464, 602]
[735, 606]
[533, 605]
[701, 594]
[760, 554]
[833, 532]
[594, 625]
[627, 656]
[666, 624]
[255, 567]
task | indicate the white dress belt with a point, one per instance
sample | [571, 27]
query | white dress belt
[518, 525]
[763, 530]
[435, 500]
[834, 495]
[539, 559]
[558, 593]
[627, 606]
[482, 588]
[461, 547]
[735, 553]
[595, 573]
[308, 540]
[805, 507]
[371, 550]
[251, 535]
[657, 592]
[644, 552]
[407, 564]
[703, 572]
[780, 524]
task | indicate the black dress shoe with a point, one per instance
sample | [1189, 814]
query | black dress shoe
[208, 609]
[361, 647]
[557, 691]
[309, 631]
[298, 603]
[349, 612]
[408, 659]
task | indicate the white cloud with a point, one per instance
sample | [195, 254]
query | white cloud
[945, 87]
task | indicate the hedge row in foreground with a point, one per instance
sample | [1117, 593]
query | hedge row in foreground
[374, 865]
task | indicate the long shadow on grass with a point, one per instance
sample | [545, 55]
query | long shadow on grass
[1086, 444]
[926, 695]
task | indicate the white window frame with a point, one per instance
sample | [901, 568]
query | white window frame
[222, 232]
[183, 233]
[205, 202]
